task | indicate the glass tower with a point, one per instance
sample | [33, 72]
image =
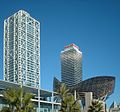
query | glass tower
[71, 65]
[22, 49]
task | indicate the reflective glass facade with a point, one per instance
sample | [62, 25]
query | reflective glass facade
[71, 65]
[22, 49]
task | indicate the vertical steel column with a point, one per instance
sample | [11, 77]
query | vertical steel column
[52, 101]
[39, 79]
[75, 94]
[38, 98]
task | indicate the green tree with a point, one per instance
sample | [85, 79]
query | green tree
[68, 102]
[18, 101]
[96, 106]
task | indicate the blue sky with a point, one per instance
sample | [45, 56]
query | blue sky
[93, 25]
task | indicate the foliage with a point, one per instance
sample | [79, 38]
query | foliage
[18, 101]
[96, 106]
[68, 102]
[6, 109]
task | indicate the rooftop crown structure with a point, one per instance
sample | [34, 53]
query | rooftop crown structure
[71, 65]
[22, 49]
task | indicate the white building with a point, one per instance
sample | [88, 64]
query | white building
[22, 49]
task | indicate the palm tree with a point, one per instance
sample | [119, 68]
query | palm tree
[12, 98]
[17, 100]
[72, 104]
[96, 106]
[63, 91]
[27, 104]
[68, 102]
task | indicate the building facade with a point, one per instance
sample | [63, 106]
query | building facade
[71, 65]
[48, 99]
[22, 49]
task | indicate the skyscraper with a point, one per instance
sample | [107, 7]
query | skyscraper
[22, 49]
[71, 65]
